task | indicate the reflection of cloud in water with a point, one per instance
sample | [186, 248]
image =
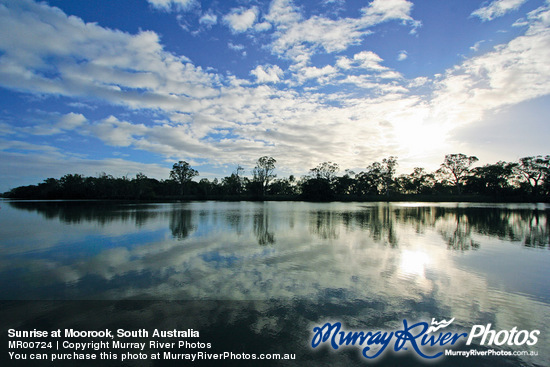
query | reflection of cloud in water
[379, 254]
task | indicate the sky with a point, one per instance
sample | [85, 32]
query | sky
[131, 86]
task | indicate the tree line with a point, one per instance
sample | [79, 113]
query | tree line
[528, 179]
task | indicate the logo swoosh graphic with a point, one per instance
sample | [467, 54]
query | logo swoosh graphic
[439, 325]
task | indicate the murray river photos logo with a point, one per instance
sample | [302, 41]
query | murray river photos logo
[428, 341]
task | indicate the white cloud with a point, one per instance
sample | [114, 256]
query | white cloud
[48, 52]
[364, 59]
[208, 19]
[47, 123]
[380, 11]
[283, 13]
[168, 5]
[115, 132]
[267, 73]
[418, 82]
[262, 27]
[298, 128]
[344, 63]
[513, 73]
[240, 20]
[298, 39]
[321, 75]
[235, 47]
[476, 46]
[497, 8]
[71, 121]
[304, 129]
[402, 55]
[390, 74]
[369, 60]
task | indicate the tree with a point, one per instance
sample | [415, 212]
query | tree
[263, 172]
[370, 181]
[491, 179]
[233, 184]
[344, 185]
[73, 186]
[284, 186]
[417, 182]
[319, 185]
[325, 170]
[534, 170]
[378, 177]
[388, 170]
[457, 167]
[182, 173]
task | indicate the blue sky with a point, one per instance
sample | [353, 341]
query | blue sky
[132, 86]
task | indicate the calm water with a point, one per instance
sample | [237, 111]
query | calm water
[274, 270]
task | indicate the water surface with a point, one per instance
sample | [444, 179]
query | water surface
[368, 265]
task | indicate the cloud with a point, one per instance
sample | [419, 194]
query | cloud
[512, 73]
[402, 55]
[476, 46]
[321, 75]
[71, 121]
[50, 123]
[237, 47]
[300, 129]
[262, 27]
[298, 39]
[208, 19]
[169, 5]
[267, 74]
[497, 8]
[50, 53]
[240, 20]
[368, 60]
[226, 120]
[418, 82]
[116, 133]
[283, 13]
[380, 11]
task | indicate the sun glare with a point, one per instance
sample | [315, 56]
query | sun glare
[416, 134]
[413, 263]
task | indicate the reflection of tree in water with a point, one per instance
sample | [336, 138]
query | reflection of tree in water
[261, 228]
[380, 222]
[458, 225]
[457, 232]
[324, 223]
[537, 233]
[420, 217]
[528, 226]
[234, 220]
[181, 223]
[101, 212]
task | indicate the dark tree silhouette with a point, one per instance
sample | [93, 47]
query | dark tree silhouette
[491, 179]
[525, 180]
[388, 170]
[457, 167]
[534, 170]
[263, 172]
[182, 173]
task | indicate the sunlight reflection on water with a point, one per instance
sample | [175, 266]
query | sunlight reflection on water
[476, 262]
